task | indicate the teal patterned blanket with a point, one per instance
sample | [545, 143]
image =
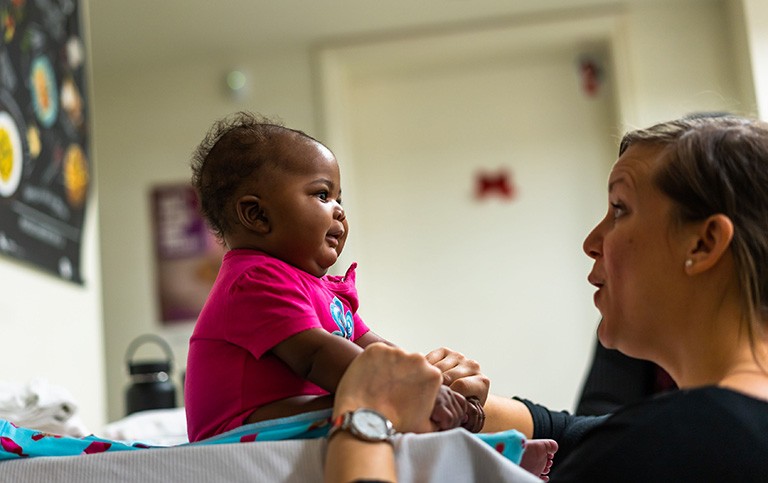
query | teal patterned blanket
[17, 442]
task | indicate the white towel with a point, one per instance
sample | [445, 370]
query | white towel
[42, 406]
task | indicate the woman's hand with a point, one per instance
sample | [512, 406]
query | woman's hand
[460, 373]
[399, 385]
[402, 386]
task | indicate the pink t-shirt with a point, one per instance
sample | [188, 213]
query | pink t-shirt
[257, 302]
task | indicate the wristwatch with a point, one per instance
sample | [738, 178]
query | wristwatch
[365, 424]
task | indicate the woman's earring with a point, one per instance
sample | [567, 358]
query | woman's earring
[688, 263]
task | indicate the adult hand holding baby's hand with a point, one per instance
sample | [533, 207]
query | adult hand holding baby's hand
[402, 386]
[460, 373]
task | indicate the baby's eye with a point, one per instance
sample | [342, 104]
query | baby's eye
[323, 195]
[338, 200]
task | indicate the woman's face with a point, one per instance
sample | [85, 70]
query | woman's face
[638, 257]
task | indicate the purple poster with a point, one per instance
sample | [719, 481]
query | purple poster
[187, 254]
[44, 153]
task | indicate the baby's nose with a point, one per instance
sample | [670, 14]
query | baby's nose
[338, 213]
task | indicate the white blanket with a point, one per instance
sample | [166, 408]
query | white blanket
[42, 406]
[156, 427]
[436, 457]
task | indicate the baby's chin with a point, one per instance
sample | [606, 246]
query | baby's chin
[321, 268]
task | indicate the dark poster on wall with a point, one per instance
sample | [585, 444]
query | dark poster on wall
[187, 254]
[44, 154]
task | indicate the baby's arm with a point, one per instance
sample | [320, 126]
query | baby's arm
[318, 356]
[369, 338]
[322, 358]
[308, 354]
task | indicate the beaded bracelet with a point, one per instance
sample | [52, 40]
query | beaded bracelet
[476, 415]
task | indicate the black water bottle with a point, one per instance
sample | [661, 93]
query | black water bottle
[151, 385]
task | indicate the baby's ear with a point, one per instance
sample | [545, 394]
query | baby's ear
[251, 215]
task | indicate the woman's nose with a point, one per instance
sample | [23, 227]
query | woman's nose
[593, 244]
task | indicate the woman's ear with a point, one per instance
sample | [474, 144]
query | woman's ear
[713, 237]
[251, 214]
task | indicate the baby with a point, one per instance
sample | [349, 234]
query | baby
[277, 333]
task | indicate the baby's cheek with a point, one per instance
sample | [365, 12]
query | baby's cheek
[340, 246]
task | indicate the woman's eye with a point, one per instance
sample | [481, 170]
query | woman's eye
[618, 210]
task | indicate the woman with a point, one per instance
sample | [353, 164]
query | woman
[681, 270]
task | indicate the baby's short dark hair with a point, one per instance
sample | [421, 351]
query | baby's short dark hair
[233, 149]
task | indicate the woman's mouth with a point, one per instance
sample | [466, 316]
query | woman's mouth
[596, 282]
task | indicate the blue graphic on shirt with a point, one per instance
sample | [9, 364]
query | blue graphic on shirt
[343, 319]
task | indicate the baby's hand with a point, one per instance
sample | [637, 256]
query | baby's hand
[475, 418]
[450, 409]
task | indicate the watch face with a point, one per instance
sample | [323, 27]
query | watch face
[371, 424]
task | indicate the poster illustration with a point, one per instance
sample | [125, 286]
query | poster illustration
[44, 152]
[187, 254]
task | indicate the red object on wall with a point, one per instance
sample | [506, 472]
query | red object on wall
[590, 76]
[497, 184]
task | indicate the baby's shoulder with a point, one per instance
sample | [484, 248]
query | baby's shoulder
[260, 269]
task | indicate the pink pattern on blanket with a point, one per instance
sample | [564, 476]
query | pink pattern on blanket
[97, 447]
[10, 446]
[249, 438]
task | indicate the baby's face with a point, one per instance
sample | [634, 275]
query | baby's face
[308, 226]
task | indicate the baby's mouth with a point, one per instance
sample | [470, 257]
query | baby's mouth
[333, 237]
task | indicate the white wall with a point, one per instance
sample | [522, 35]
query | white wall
[740, 52]
[150, 118]
[52, 329]
[681, 60]
[755, 23]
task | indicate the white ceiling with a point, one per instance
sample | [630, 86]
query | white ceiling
[129, 32]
